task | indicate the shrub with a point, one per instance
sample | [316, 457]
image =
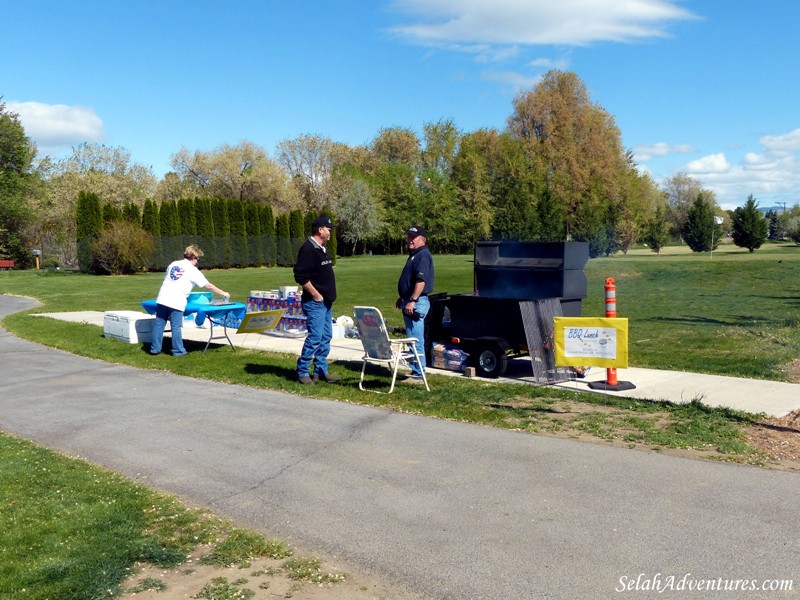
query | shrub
[793, 230]
[122, 249]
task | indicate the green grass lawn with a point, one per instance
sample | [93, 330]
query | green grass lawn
[735, 313]
[732, 314]
[74, 531]
[70, 530]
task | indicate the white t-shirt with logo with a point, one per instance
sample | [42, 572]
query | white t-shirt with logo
[179, 281]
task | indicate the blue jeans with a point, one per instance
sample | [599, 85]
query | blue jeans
[416, 329]
[175, 318]
[319, 322]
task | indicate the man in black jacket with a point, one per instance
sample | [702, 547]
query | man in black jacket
[314, 272]
[413, 287]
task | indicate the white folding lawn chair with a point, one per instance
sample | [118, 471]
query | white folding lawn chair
[380, 349]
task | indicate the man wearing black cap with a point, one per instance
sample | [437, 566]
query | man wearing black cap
[314, 272]
[413, 287]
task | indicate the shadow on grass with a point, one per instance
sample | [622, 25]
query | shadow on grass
[738, 320]
[166, 346]
[270, 369]
[376, 377]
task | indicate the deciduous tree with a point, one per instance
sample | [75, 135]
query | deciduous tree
[635, 201]
[357, 216]
[515, 186]
[574, 140]
[242, 172]
[16, 181]
[657, 230]
[308, 161]
[105, 171]
[681, 191]
[472, 178]
[394, 181]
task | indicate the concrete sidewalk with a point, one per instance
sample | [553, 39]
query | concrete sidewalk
[772, 398]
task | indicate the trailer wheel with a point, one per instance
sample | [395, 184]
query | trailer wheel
[491, 361]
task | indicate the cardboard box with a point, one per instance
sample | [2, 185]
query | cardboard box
[128, 326]
[289, 291]
[449, 357]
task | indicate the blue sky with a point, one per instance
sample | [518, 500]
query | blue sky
[708, 87]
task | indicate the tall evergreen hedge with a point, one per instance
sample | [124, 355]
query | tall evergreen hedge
[285, 258]
[238, 227]
[169, 223]
[111, 213]
[131, 214]
[187, 221]
[89, 225]
[151, 224]
[296, 230]
[255, 247]
[268, 235]
[205, 230]
[222, 232]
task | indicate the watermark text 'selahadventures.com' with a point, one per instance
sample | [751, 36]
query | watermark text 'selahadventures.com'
[690, 583]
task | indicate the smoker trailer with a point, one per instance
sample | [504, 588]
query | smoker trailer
[488, 323]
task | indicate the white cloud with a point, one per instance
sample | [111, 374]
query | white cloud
[646, 152]
[713, 163]
[490, 54]
[772, 176]
[562, 64]
[757, 162]
[537, 22]
[782, 144]
[55, 127]
[517, 81]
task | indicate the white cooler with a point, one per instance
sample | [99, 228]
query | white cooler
[128, 326]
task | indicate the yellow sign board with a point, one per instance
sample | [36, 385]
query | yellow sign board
[256, 322]
[591, 342]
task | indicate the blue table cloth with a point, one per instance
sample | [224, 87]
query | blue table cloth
[225, 315]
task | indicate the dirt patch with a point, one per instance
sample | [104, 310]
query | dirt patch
[264, 579]
[793, 370]
[775, 440]
[779, 439]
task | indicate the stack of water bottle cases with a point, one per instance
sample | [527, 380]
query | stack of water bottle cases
[293, 322]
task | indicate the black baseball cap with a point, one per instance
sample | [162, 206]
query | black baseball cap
[416, 230]
[322, 221]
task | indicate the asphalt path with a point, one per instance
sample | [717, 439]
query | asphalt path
[444, 510]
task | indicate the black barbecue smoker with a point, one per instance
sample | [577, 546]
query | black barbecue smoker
[488, 323]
